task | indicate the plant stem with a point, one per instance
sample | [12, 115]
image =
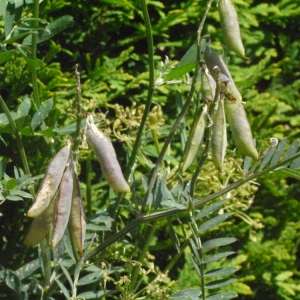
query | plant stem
[150, 87]
[46, 261]
[36, 98]
[76, 141]
[17, 137]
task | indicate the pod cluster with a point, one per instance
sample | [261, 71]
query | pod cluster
[58, 204]
[225, 107]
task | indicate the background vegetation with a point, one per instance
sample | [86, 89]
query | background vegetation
[108, 41]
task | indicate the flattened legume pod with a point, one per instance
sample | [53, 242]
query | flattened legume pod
[41, 225]
[212, 59]
[106, 155]
[219, 136]
[240, 128]
[50, 182]
[194, 141]
[63, 206]
[77, 223]
[230, 27]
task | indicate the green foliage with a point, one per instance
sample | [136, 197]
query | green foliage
[160, 242]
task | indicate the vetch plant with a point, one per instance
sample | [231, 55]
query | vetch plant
[185, 182]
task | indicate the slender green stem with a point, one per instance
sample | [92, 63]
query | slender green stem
[176, 257]
[17, 136]
[46, 261]
[150, 87]
[79, 116]
[35, 87]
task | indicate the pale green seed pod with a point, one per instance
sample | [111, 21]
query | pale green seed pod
[107, 157]
[213, 59]
[41, 225]
[63, 206]
[50, 182]
[208, 85]
[230, 27]
[77, 223]
[194, 141]
[219, 136]
[240, 128]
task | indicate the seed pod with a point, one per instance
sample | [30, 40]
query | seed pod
[50, 182]
[240, 128]
[219, 136]
[77, 223]
[208, 85]
[63, 206]
[107, 157]
[40, 225]
[230, 27]
[212, 59]
[194, 141]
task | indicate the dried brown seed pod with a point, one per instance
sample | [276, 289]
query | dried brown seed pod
[41, 225]
[106, 155]
[63, 205]
[50, 182]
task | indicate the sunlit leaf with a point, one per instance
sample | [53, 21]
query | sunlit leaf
[214, 221]
[220, 272]
[41, 114]
[95, 295]
[278, 152]
[222, 296]
[26, 270]
[210, 209]
[218, 256]
[218, 242]
[4, 56]
[90, 278]
[63, 288]
[51, 29]
[187, 294]
[219, 283]
[291, 151]
[11, 184]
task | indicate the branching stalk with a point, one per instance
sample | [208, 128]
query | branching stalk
[168, 213]
[181, 115]
[175, 211]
